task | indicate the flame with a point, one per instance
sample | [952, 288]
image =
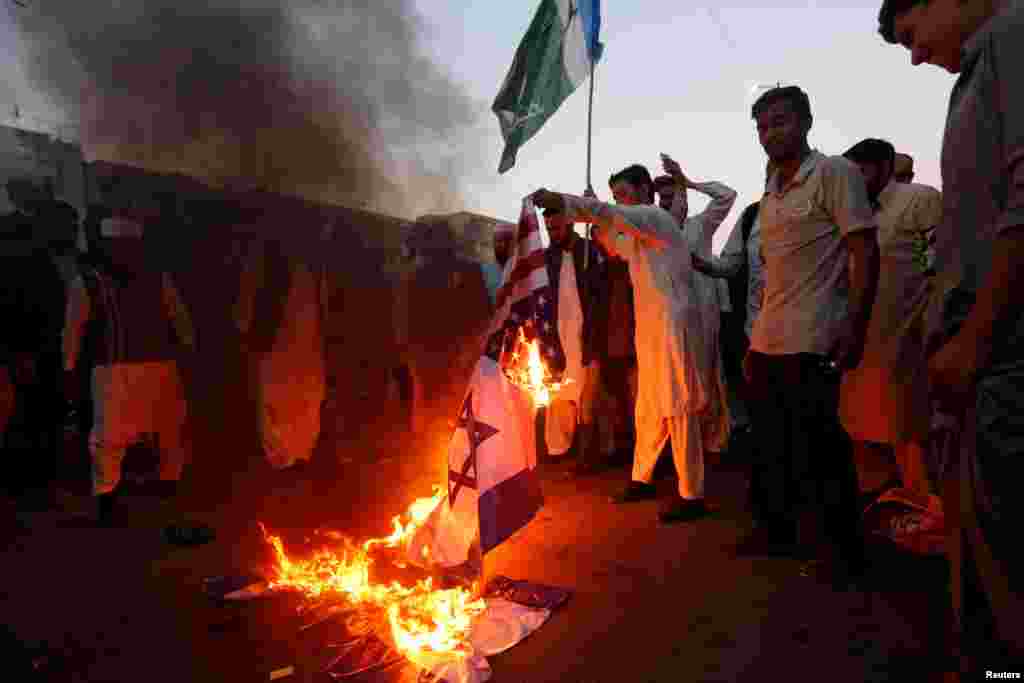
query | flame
[423, 621]
[525, 368]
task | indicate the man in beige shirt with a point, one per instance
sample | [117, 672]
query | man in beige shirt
[884, 401]
[821, 268]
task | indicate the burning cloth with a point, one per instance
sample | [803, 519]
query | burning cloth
[493, 489]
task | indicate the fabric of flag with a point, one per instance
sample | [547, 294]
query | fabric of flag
[553, 59]
[493, 488]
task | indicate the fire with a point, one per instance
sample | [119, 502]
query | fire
[423, 621]
[525, 368]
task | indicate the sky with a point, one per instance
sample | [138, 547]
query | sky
[675, 78]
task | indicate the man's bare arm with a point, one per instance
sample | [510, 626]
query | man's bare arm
[864, 266]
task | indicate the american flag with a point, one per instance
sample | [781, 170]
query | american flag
[524, 299]
[493, 488]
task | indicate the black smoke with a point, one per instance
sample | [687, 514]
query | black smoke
[332, 100]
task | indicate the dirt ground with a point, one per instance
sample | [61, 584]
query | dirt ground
[650, 602]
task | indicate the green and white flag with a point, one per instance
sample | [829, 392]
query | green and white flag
[554, 58]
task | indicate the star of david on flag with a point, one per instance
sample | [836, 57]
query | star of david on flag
[493, 488]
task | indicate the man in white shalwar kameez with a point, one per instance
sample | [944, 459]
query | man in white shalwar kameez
[672, 395]
[713, 293]
[139, 320]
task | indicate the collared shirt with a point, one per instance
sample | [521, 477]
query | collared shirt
[909, 212]
[805, 258]
[982, 175]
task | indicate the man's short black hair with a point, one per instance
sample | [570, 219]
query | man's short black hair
[887, 16]
[872, 151]
[638, 175]
[796, 97]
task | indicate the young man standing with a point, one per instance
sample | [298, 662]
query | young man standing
[884, 401]
[818, 238]
[976, 335]
[672, 359]
[714, 293]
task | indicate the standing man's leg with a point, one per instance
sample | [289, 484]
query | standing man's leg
[590, 447]
[826, 461]
[688, 454]
[42, 419]
[559, 427]
[990, 606]
[771, 491]
[170, 420]
[8, 401]
[652, 433]
[910, 459]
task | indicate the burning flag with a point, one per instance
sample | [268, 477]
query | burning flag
[493, 489]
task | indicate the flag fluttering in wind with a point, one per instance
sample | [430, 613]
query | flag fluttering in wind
[555, 56]
[493, 488]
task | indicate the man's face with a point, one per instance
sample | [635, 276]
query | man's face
[934, 32]
[903, 172]
[876, 177]
[629, 194]
[783, 133]
[559, 229]
[502, 248]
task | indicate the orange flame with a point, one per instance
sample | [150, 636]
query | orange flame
[525, 368]
[422, 620]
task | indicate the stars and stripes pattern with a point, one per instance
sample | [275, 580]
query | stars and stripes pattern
[525, 298]
[493, 488]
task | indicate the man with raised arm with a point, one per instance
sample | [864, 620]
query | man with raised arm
[671, 395]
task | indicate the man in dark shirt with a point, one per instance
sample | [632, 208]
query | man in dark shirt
[975, 334]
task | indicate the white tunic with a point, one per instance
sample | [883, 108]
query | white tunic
[670, 353]
[570, 330]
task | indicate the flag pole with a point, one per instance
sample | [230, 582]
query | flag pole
[590, 138]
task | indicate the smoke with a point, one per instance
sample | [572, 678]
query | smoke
[332, 100]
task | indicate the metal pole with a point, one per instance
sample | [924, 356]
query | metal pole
[587, 242]
[590, 121]
[590, 129]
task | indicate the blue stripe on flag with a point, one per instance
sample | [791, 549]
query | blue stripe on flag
[590, 17]
[508, 507]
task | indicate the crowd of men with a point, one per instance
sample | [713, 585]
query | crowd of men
[863, 312]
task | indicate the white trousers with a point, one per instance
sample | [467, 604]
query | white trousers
[562, 416]
[133, 400]
[687, 452]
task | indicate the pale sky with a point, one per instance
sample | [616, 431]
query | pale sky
[675, 80]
